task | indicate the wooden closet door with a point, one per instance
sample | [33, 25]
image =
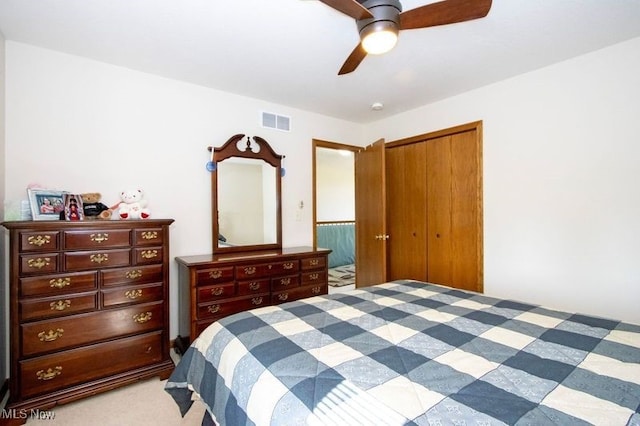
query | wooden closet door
[406, 199]
[453, 217]
[438, 209]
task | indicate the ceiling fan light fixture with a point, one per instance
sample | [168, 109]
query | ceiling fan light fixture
[379, 37]
[379, 34]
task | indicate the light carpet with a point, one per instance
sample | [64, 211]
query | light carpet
[143, 403]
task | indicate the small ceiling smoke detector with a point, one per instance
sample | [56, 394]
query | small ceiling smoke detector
[377, 106]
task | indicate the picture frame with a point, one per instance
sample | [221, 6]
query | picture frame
[46, 204]
[73, 207]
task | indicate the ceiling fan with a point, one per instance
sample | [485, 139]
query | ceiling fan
[379, 21]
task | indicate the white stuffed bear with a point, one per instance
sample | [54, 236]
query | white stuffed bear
[133, 205]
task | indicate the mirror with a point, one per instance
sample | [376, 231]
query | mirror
[245, 195]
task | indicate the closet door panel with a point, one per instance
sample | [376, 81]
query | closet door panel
[464, 211]
[406, 200]
[439, 200]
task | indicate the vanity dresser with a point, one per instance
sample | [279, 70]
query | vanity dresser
[223, 284]
[89, 308]
[248, 267]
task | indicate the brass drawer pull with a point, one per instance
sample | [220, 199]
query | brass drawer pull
[39, 263]
[314, 262]
[215, 274]
[149, 235]
[141, 318]
[60, 283]
[50, 335]
[99, 238]
[256, 301]
[133, 294]
[39, 240]
[217, 291]
[313, 276]
[288, 265]
[99, 258]
[283, 296]
[316, 290]
[60, 305]
[51, 373]
[149, 254]
[213, 308]
[250, 270]
[132, 275]
[285, 281]
[254, 286]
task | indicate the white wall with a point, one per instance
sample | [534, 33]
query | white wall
[561, 203]
[561, 176]
[335, 185]
[83, 126]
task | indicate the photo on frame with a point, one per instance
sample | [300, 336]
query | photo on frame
[73, 208]
[46, 204]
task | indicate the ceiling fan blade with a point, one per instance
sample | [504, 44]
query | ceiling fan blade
[353, 60]
[349, 7]
[443, 13]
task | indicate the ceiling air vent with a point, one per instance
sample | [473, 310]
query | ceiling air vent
[275, 121]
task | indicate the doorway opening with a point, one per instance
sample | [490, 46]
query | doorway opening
[334, 209]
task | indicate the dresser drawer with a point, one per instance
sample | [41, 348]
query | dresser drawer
[282, 283]
[57, 284]
[50, 335]
[313, 262]
[131, 276]
[39, 241]
[52, 307]
[313, 277]
[96, 239]
[126, 295]
[76, 366]
[246, 288]
[45, 263]
[222, 309]
[288, 267]
[148, 237]
[148, 255]
[216, 292]
[297, 293]
[80, 260]
[214, 275]
[248, 272]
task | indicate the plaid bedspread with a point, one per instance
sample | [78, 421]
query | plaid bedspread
[408, 352]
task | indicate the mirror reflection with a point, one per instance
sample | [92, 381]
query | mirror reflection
[247, 205]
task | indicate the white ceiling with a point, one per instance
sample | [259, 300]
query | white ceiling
[289, 51]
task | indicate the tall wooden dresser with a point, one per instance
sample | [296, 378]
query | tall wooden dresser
[89, 308]
[223, 284]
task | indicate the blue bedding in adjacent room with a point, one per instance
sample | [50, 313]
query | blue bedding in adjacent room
[408, 352]
[340, 237]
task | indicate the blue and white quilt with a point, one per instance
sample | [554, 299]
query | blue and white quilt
[408, 352]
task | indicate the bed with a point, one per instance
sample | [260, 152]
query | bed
[340, 237]
[408, 352]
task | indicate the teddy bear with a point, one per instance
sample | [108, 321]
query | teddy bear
[133, 205]
[93, 208]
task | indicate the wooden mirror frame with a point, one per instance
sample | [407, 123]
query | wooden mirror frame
[266, 153]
